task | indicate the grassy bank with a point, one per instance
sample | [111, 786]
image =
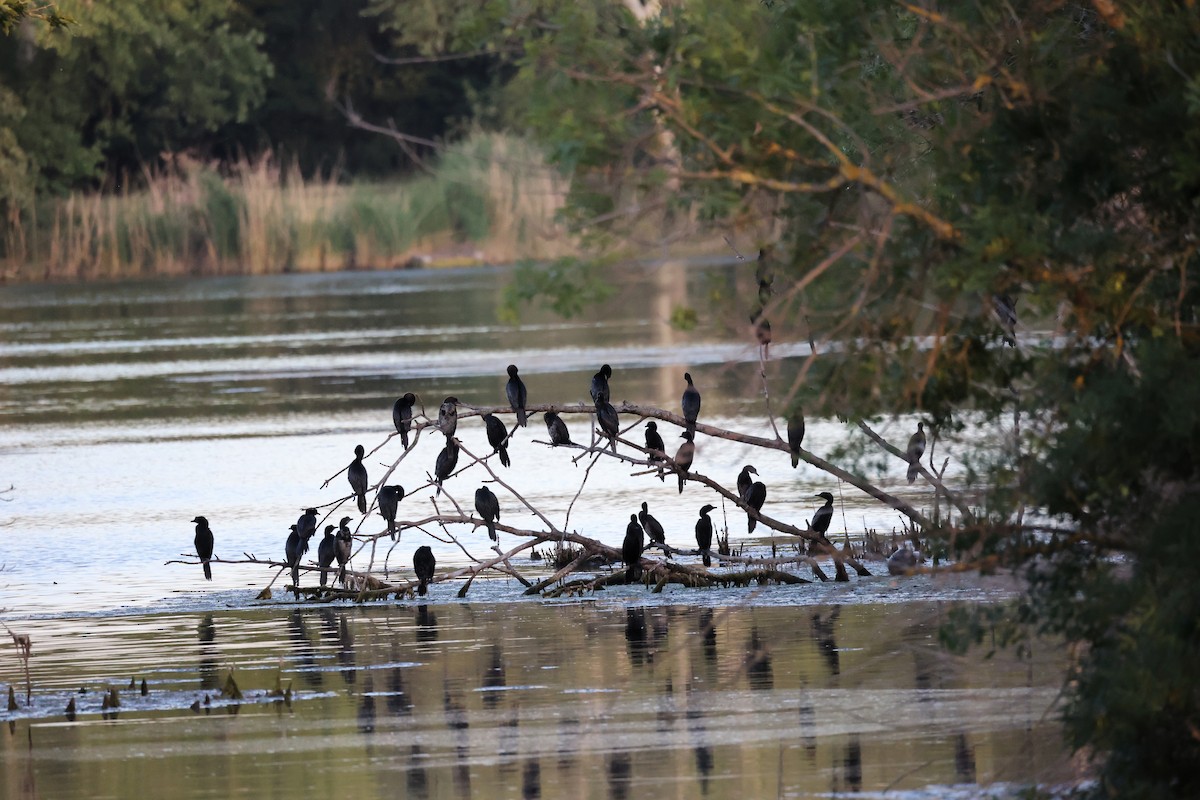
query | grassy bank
[490, 198]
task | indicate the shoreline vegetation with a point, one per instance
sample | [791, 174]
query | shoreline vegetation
[489, 199]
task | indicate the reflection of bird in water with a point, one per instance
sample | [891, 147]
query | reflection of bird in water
[824, 630]
[795, 434]
[326, 552]
[389, 501]
[620, 773]
[557, 429]
[758, 663]
[448, 416]
[345, 543]
[423, 564]
[653, 527]
[903, 561]
[516, 393]
[631, 550]
[402, 411]
[493, 678]
[916, 449]
[427, 624]
[822, 517]
[531, 779]
[704, 534]
[656, 446]
[635, 635]
[684, 457]
[204, 545]
[366, 707]
[356, 473]
[610, 423]
[447, 460]
[599, 389]
[497, 436]
[488, 506]
[691, 404]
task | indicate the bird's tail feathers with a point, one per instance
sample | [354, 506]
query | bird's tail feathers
[362, 504]
[504, 460]
[207, 571]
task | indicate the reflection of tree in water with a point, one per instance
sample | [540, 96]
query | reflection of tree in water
[758, 663]
[305, 657]
[416, 779]
[531, 780]
[398, 701]
[337, 627]
[698, 732]
[852, 764]
[620, 770]
[493, 678]
[426, 624]
[635, 635]
[964, 759]
[366, 708]
[823, 630]
[206, 631]
[568, 743]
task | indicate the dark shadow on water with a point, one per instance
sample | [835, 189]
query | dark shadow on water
[758, 663]
[416, 779]
[620, 771]
[210, 656]
[637, 637]
[531, 780]
[427, 625]
[824, 629]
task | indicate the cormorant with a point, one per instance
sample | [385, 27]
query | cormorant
[691, 404]
[656, 446]
[389, 500]
[326, 552]
[446, 461]
[497, 437]
[204, 545]
[402, 411]
[557, 428]
[448, 416]
[631, 550]
[704, 534]
[684, 456]
[755, 497]
[606, 415]
[345, 543]
[515, 391]
[307, 525]
[744, 481]
[599, 389]
[795, 434]
[423, 564]
[653, 527]
[902, 561]
[356, 473]
[823, 516]
[296, 547]
[916, 448]
[488, 506]
[1005, 308]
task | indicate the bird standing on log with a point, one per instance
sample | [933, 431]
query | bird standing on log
[653, 528]
[631, 550]
[599, 389]
[488, 506]
[204, 545]
[497, 437]
[402, 411]
[795, 434]
[327, 552]
[356, 473]
[345, 543]
[448, 416]
[424, 564]
[557, 428]
[691, 404]
[916, 449]
[704, 534]
[447, 460]
[389, 502]
[684, 457]
[515, 391]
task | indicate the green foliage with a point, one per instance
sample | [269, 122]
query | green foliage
[565, 286]
[13, 12]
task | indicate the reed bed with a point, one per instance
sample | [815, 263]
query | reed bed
[488, 199]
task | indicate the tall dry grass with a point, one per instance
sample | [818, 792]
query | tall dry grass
[489, 198]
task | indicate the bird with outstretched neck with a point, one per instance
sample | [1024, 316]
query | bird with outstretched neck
[389, 502]
[653, 528]
[684, 457]
[497, 436]
[204, 545]
[822, 517]
[656, 446]
[744, 481]
[424, 564]
[631, 550]
[557, 429]
[488, 506]
[795, 434]
[447, 421]
[327, 552]
[345, 543]
[515, 391]
[356, 474]
[916, 449]
[704, 534]
[599, 389]
[402, 412]
[690, 403]
[447, 460]
[610, 423]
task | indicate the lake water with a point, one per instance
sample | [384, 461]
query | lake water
[126, 410]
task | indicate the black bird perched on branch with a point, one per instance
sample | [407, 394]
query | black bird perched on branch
[516, 394]
[296, 547]
[402, 411]
[610, 423]
[488, 506]
[356, 473]
[345, 543]
[823, 516]
[631, 550]
[691, 404]
[653, 527]
[423, 564]
[755, 497]
[497, 437]
[307, 525]
[447, 421]
[656, 446]
[389, 501]
[557, 428]
[447, 460]
[704, 534]
[916, 449]
[327, 552]
[795, 434]
[744, 481]
[204, 545]
[599, 388]
[684, 457]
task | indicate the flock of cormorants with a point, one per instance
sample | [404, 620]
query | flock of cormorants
[337, 542]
